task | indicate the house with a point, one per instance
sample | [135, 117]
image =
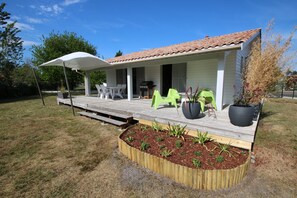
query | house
[213, 62]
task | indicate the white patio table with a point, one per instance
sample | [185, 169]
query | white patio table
[115, 91]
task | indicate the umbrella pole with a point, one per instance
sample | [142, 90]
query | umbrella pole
[40, 94]
[68, 88]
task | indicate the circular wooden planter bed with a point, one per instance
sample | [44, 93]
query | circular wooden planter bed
[206, 177]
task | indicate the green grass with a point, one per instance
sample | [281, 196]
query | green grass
[277, 127]
[40, 144]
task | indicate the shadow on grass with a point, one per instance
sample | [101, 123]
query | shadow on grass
[18, 99]
[266, 114]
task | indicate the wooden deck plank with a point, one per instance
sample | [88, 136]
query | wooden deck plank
[102, 118]
[111, 113]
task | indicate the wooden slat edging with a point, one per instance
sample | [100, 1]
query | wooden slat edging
[220, 139]
[195, 178]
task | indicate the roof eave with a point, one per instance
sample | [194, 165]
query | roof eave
[209, 50]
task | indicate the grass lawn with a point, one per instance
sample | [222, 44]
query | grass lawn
[47, 152]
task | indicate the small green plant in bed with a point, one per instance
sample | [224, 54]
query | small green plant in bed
[225, 148]
[166, 152]
[177, 130]
[156, 126]
[198, 153]
[178, 144]
[201, 138]
[220, 158]
[130, 139]
[196, 163]
[143, 128]
[160, 139]
[144, 146]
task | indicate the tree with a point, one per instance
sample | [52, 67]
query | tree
[119, 53]
[267, 64]
[54, 46]
[11, 49]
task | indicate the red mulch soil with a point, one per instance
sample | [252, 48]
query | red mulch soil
[189, 150]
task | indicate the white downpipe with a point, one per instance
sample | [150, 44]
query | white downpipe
[87, 84]
[129, 84]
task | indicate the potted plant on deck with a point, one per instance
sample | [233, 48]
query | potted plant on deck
[242, 112]
[192, 105]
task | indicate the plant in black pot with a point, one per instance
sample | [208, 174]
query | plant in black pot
[241, 113]
[191, 106]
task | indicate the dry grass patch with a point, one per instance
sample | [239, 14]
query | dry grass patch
[41, 146]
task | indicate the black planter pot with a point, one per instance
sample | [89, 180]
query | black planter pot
[191, 110]
[241, 115]
[62, 95]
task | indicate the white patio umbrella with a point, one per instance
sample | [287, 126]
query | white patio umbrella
[77, 61]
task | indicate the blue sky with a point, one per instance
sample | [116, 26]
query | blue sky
[134, 25]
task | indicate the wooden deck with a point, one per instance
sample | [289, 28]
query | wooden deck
[219, 128]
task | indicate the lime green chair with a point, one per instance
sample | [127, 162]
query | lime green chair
[170, 99]
[173, 93]
[209, 97]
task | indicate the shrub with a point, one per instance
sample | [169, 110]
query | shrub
[130, 139]
[166, 153]
[220, 158]
[201, 138]
[176, 130]
[266, 64]
[224, 148]
[178, 144]
[197, 153]
[156, 126]
[160, 139]
[196, 163]
[144, 146]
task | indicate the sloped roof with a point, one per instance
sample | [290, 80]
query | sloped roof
[188, 47]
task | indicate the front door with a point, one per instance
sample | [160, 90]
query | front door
[167, 79]
[138, 77]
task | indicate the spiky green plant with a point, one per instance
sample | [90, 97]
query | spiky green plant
[177, 130]
[196, 163]
[201, 138]
[156, 126]
[166, 152]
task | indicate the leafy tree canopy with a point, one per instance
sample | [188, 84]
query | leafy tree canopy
[119, 53]
[11, 47]
[54, 46]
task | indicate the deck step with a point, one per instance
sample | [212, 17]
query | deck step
[102, 118]
[110, 113]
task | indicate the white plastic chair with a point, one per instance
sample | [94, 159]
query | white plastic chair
[124, 86]
[100, 91]
[118, 91]
[105, 91]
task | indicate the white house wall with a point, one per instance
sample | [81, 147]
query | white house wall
[202, 73]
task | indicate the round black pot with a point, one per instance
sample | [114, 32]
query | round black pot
[191, 110]
[241, 115]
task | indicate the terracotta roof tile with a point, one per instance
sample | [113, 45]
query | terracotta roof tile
[192, 46]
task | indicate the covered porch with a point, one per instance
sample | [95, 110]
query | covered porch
[219, 128]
